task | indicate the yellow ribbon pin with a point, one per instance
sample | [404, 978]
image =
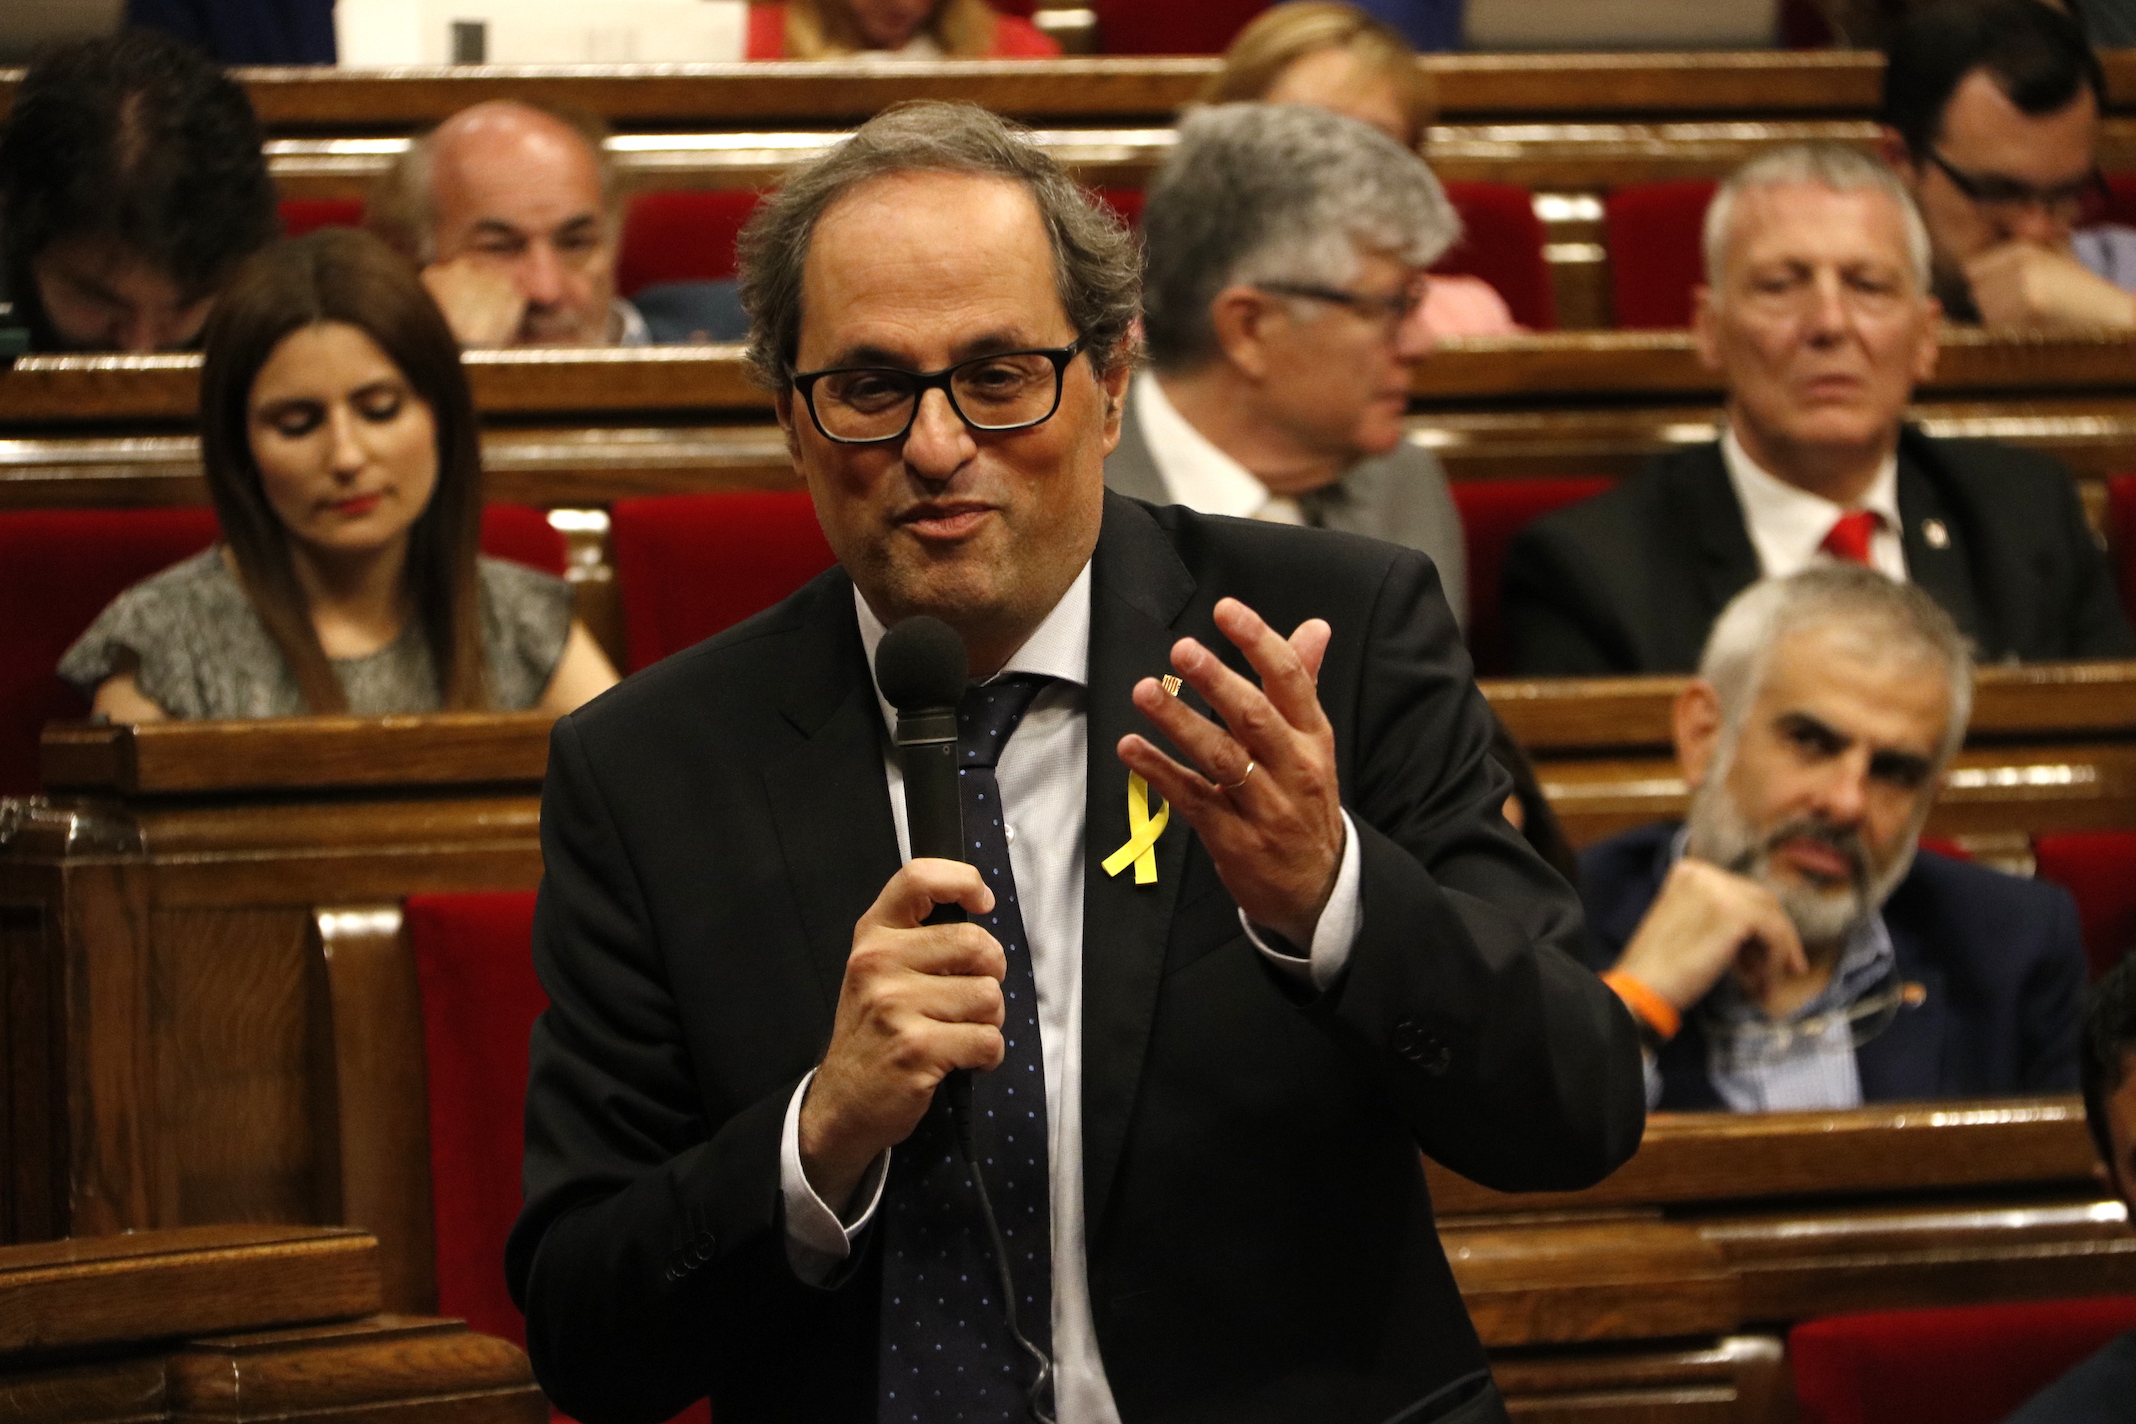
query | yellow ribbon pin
[1143, 831]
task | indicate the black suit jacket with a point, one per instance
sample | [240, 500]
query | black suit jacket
[2001, 959]
[1631, 581]
[1260, 1241]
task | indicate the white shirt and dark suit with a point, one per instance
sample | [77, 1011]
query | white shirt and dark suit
[1631, 580]
[1257, 1239]
[1400, 496]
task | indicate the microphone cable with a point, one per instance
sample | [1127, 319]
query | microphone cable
[960, 1113]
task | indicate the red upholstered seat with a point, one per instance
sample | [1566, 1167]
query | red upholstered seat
[1502, 242]
[2121, 534]
[691, 565]
[302, 215]
[474, 962]
[681, 237]
[1957, 1365]
[1654, 257]
[1492, 512]
[2099, 869]
[1172, 26]
[62, 566]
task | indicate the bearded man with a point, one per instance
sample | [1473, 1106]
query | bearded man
[1790, 946]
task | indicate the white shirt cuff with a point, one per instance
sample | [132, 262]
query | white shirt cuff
[816, 1238]
[1336, 934]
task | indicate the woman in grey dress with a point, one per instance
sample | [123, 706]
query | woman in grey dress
[339, 442]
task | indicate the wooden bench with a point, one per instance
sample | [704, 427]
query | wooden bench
[237, 1324]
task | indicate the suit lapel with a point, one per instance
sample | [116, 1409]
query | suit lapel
[1715, 525]
[1940, 569]
[830, 802]
[1139, 587]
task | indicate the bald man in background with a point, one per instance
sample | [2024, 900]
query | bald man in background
[514, 213]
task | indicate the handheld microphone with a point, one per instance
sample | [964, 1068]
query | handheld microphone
[921, 667]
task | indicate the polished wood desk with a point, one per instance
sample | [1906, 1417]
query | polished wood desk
[562, 387]
[1467, 86]
[237, 1324]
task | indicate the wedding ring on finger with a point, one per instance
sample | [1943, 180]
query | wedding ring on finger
[1243, 778]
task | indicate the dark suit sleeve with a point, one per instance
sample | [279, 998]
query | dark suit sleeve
[1556, 611]
[1512, 1063]
[2051, 1006]
[643, 1235]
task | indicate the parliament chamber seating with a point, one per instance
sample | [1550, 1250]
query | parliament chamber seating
[64, 565]
[303, 215]
[1654, 251]
[690, 234]
[475, 970]
[1492, 513]
[1139, 27]
[689, 566]
[1957, 1365]
[2098, 868]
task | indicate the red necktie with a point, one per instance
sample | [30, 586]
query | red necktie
[1850, 536]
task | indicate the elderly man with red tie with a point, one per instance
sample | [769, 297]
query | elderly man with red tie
[1818, 316]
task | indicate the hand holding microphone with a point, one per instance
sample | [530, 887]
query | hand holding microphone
[921, 996]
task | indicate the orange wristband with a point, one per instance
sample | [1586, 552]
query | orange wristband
[1659, 1014]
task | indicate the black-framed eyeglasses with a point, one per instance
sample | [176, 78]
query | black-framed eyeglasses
[865, 405]
[1993, 190]
[1389, 311]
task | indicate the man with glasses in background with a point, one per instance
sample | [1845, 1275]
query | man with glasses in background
[1790, 946]
[1246, 927]
[1991, 116]
[1282, 246]
[1817, 315]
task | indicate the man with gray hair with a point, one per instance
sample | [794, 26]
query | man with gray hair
[514, 214]
[1282, 251]
[1790, 946]
[1132, 1132]
[1817, 315]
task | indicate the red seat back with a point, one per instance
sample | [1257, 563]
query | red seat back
[2121, 535]
[1502, 242]
[524, 535]
[1171, 26]
[62, 566]
[1654, 256]
[2099, 869]
[1956, 1365]
[1492, 512]
[58, 568]
[682, 237]
[303, 215]
[690, 565]
[474, 962]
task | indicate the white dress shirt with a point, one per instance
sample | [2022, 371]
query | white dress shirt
[1196, 473]
[1043, 775]
[1788, 525]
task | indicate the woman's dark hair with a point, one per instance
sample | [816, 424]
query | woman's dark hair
[2036, 54]
[141, 140]
[342, 275]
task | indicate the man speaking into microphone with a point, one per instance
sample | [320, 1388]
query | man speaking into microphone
[1243, 928]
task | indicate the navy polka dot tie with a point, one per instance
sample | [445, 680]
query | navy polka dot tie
[946, 1348]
